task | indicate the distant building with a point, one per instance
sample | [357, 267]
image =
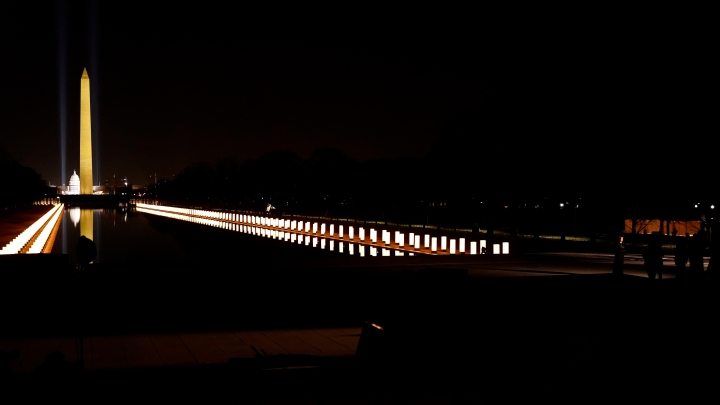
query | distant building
[666, 227]
[74, 185]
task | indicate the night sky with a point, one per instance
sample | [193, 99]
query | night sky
[616, 97]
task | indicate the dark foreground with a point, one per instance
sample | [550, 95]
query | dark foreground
[562, 329]
[445, 338]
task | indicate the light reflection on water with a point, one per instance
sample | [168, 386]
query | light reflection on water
[120, 236]
[129, 236]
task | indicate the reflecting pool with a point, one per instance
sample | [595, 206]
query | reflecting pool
[130, 236]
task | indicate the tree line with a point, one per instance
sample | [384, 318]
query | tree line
[22, 185]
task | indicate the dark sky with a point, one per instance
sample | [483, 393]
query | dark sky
[176, 84]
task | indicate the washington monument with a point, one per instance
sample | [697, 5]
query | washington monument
[86, 170]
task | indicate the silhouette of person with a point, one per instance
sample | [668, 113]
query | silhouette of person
[681, 256]
[86, 251]
[714, 250]
[653, 256]
[619, 260]
[696, 252]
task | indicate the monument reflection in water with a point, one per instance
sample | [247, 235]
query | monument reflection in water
[120, 235]
[75, 222]
[130, 237]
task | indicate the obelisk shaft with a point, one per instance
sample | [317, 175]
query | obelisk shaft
[86, 170]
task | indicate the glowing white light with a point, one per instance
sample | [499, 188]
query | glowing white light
[278, 228]
[496, 249]
[42, 239]
[473, 248]
[373, 251]
[443, 243]
[427, 241]
[505, 248]
[452, 246]
[351, 248]
[461, 248]
[74, 214]
[341, 245]
[385, 252]
[433, 244]
[483, 245]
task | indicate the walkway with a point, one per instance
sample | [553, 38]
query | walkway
[181, 349]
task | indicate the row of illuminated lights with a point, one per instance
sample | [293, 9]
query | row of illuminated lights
[19, 242]
[414, 240]
[300, 239]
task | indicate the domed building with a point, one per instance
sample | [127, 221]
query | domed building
[74, 186]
